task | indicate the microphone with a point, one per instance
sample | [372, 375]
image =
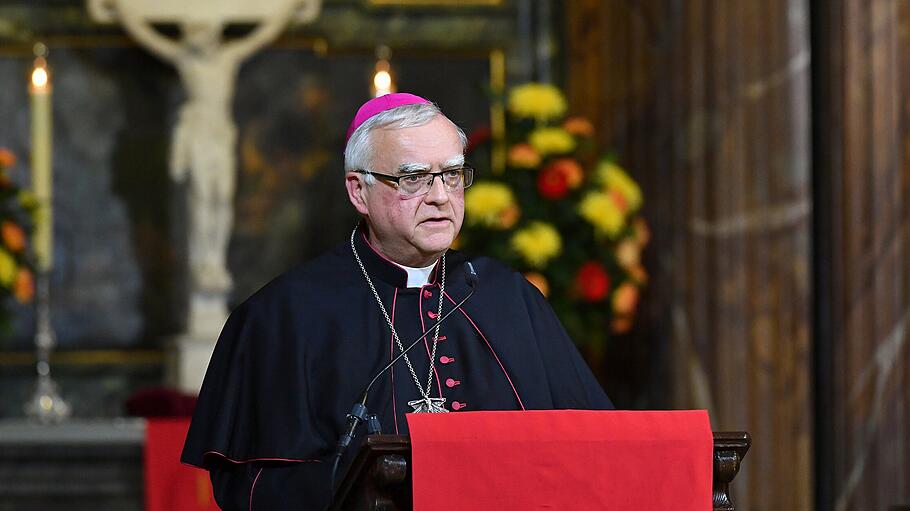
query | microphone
[470, 275]
[359, 412]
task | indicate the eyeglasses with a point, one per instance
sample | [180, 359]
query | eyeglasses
[420, 183]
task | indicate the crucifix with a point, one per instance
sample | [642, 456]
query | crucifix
[204, 138]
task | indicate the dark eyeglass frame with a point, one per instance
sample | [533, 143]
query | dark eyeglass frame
[464, 169]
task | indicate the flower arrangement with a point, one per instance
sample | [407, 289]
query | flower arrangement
[564, 215]
[16, 270]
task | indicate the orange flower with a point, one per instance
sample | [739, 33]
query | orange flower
[523, 156]
[13, 236]
[7, 158]
[638, 274]
[509, 216]
[642, 231]
[621, 324]
[579, 126]
[569, 168]
[24, 286]
[620, 200]
[539, 281]
[625, 299]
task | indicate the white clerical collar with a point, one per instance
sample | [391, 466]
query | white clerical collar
[418, 277]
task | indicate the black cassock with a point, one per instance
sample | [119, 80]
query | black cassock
[295, 356]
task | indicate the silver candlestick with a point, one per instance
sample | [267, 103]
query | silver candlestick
[46, 404]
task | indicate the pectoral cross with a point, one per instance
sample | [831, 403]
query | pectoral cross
[428, 405]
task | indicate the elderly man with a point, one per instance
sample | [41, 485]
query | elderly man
[294, 357]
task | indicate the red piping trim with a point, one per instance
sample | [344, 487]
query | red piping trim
[506, 373]
[253, 488]
[392, 355]
[426, 343]
[380, 254]
[398, 266]
[251, 460]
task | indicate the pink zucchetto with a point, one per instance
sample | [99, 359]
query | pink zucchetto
[381, 104]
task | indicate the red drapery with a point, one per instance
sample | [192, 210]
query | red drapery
[170, 485]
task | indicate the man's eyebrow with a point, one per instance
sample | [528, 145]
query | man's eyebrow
[457, 161]
[410, 168]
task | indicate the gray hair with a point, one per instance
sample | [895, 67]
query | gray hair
[358, 153]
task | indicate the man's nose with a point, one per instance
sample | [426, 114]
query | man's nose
[437, 193]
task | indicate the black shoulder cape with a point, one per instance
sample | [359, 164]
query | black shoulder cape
[294, 357]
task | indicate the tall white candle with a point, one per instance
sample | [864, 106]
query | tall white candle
[42, 176]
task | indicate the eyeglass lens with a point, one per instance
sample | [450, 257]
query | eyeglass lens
[421, 183]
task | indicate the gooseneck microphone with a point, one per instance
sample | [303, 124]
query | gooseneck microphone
[359, 412]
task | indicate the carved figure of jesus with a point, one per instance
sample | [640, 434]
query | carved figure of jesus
[204, 139]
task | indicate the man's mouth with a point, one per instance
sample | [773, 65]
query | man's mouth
[436, 220]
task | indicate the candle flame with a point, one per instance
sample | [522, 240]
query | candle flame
[382, 79]
[39, 78]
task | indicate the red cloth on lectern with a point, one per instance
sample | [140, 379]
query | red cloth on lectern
[562, 459]
[170, 485]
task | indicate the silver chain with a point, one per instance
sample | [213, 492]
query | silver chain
[442, 288]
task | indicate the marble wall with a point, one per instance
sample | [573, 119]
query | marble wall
[771, 140]
[863, 153]
[708, 105]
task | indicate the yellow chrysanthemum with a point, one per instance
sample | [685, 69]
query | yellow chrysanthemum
[7, 268]
[537, 243]
[614, 177]
[552, 141]
[537, 101]
[601, 210]
[485, 202]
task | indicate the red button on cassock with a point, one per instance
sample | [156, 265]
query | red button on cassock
[458, 406]
[432, 314]
[446, 360]
[427, 294]
[452, 382]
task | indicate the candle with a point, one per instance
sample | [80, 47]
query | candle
[42, 177]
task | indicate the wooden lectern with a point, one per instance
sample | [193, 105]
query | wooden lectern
[380, 477]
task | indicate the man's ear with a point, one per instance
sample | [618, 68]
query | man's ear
[357, 192]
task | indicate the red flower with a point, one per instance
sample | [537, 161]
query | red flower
[571, 169]
[592, 282]
[478, 136]
[552, 183]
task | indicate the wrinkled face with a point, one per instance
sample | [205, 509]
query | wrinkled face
[411, 231]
